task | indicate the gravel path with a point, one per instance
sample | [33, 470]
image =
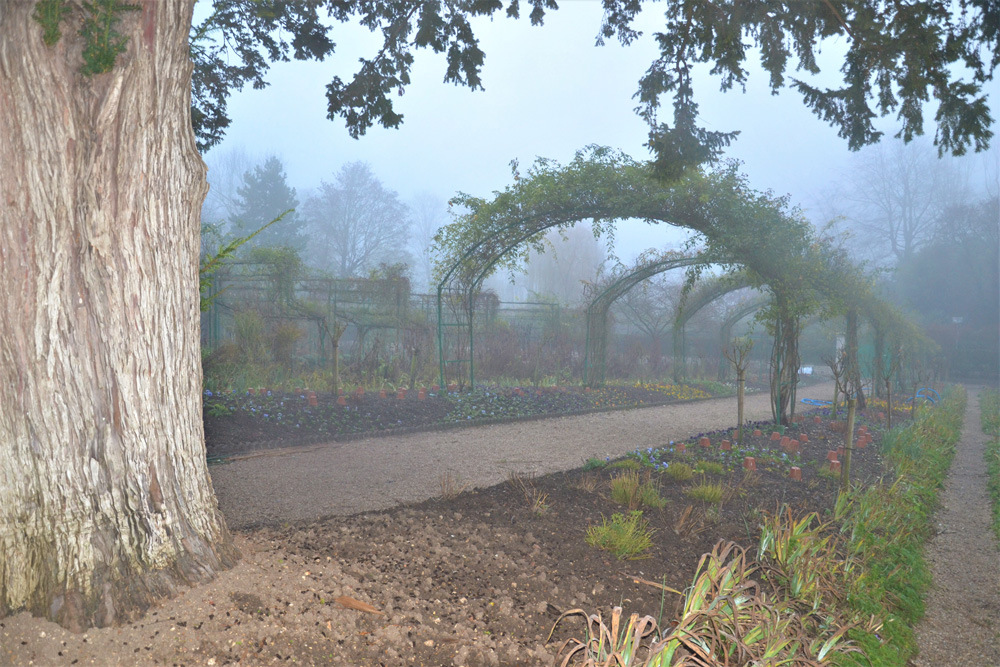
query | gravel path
[379, 473]
[962, 625]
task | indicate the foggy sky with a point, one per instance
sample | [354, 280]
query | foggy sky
[549, 91]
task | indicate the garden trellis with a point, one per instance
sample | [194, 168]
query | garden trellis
[605, 295]
[705, 293]
[740, 230]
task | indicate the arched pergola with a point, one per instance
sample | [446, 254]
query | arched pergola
[600, 185]
[597, 311]
[707, 292]
[741, 229]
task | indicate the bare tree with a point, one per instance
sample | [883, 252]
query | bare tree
[355, 223]
[894, 197]
[428, 214]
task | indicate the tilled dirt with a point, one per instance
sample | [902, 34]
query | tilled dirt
[475, 580]
[962, 625]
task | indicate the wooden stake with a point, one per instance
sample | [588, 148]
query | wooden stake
[845, 470]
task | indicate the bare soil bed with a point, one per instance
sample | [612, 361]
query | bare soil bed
[478, 579]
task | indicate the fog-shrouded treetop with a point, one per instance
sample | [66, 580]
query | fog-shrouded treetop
[355, 224]
[264, 195]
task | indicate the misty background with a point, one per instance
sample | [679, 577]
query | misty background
[370, 207]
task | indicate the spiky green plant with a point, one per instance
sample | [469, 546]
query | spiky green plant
[726, 619]
[609, 644]
[627, 537]
[709, 467]
[634, 490]
[679, 472]
[801, 555]
[707, 492]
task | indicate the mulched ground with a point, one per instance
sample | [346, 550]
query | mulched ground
[478, 579]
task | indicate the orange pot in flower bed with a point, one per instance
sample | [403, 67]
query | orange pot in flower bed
[817, 420]
[381, 393]
[705, 442]
[775, 435]
[757, 432]
[341, 400]
[795, 474]
[750, 463]
[401, 394]
[726, 446]
[835, 466]
[831, 456]
[681, 448]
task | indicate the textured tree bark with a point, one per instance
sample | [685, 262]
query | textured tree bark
[105, 499]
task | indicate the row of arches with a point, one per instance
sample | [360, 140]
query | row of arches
[756, 239]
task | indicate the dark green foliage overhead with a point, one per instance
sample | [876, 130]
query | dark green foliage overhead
[902, 55]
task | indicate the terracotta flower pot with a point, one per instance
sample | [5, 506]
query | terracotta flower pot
[422, 394]
[312, 399]
[381, 393]
[835, 466]
[831, 456]
[757, 432]
[705, 442]
[726, 446]
[803, 437]
[401, 394]
[341, 400]
[775, 435]
[795, 474]
[680, 448]
[817, 420]
[749, 463]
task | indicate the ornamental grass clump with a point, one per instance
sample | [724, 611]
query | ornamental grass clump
[628, 537]
[634, 490]
[679, 472]
[710, 467]
[707, 492]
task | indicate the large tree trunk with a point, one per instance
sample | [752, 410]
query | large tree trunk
[105, 499]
